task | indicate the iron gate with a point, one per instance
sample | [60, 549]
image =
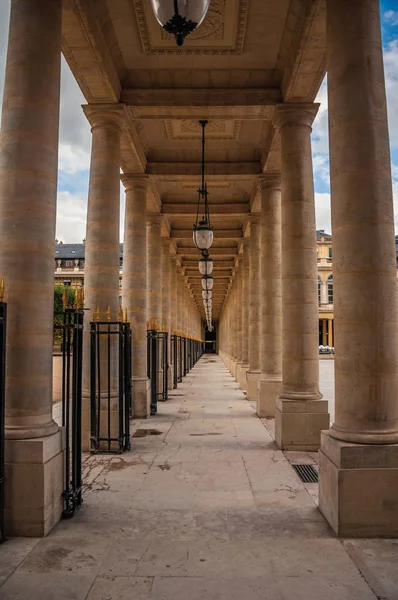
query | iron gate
[72, 370]
[157, 367]
[110, 386]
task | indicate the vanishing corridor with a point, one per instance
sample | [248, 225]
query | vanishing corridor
[204, 507]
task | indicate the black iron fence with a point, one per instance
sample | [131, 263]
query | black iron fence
[3, 328]
[72, 371]
[110, 383]
[157, 366]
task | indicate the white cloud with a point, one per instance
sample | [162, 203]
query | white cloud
[73, 159]
[391, 74]
[322, 210]
[391, 17]
[71, 217]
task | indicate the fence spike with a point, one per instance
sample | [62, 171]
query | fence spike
[2, 289]
[109, 314]
[65, 299]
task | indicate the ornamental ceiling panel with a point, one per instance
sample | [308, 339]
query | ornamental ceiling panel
[190, 129]
[222, 31]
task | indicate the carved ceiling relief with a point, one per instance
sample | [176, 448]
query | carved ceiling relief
[222, 31]
[190, 129]
[212, 27]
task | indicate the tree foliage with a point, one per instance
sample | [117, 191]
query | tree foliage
[59, 308]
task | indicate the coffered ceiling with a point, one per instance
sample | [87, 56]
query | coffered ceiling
[246, 57]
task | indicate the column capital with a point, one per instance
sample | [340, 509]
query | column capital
[297, 113]
[154, 219]
[270, 180]
[106, 115]
[132, 182]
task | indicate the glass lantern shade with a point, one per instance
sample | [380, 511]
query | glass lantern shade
[206, 266]
[180, 17]
[203, 236]
[206, 295]
[207, 283]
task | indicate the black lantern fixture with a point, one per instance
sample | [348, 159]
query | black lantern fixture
[205, 264]
[202, 231]
[180, 17]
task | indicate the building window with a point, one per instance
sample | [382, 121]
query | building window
[330, 253]
[67, 282]
[330, 289]
[319, 290]
[69, 263]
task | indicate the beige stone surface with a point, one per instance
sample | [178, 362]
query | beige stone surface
[134, 286]
[270, 381]
[210, 508]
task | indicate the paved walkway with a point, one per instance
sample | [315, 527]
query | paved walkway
[205, 507]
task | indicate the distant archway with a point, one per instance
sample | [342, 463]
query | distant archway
[211, 341]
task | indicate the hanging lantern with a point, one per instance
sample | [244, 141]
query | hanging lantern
[180, 17]
[206, 265]
[207, 282]
[207, 294]
[203, 235]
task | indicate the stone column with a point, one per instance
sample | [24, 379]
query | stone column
[253, 374]
[102, 254]
[245, 312]
[166, 303]
[239, 321]
[154, 279]
[134, 290]
[154, 268]
[270, 381]
[330, 332]
[359, 455]
[301, 413]
[28, 193]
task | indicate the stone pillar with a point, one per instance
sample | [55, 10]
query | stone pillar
[301, 413]
[239, 321]
[253, 374]
[102, 253]
[270, 382]
[154, 268]
[245, 312]
[28, 192]
[134, 290]
[330, 332]
[154, 279]
[324, 332]
[359, 455]
[166, 303]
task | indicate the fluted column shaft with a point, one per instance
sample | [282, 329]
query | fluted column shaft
[271, 295]
[298, 425]
[134, 290]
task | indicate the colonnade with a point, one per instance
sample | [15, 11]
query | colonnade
[360, 450]
[268, 331]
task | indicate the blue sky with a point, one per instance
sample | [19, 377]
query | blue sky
[389, 13]
[75, 136]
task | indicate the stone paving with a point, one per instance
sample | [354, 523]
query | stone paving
[204, 507]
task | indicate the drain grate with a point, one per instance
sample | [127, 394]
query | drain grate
[307, 473]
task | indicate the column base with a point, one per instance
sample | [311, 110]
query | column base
[233, 367]
[242, 380]
[348, 473]
[141, 397]
[267, 392]
[252, 378]
[298, 423]
[34, 475]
